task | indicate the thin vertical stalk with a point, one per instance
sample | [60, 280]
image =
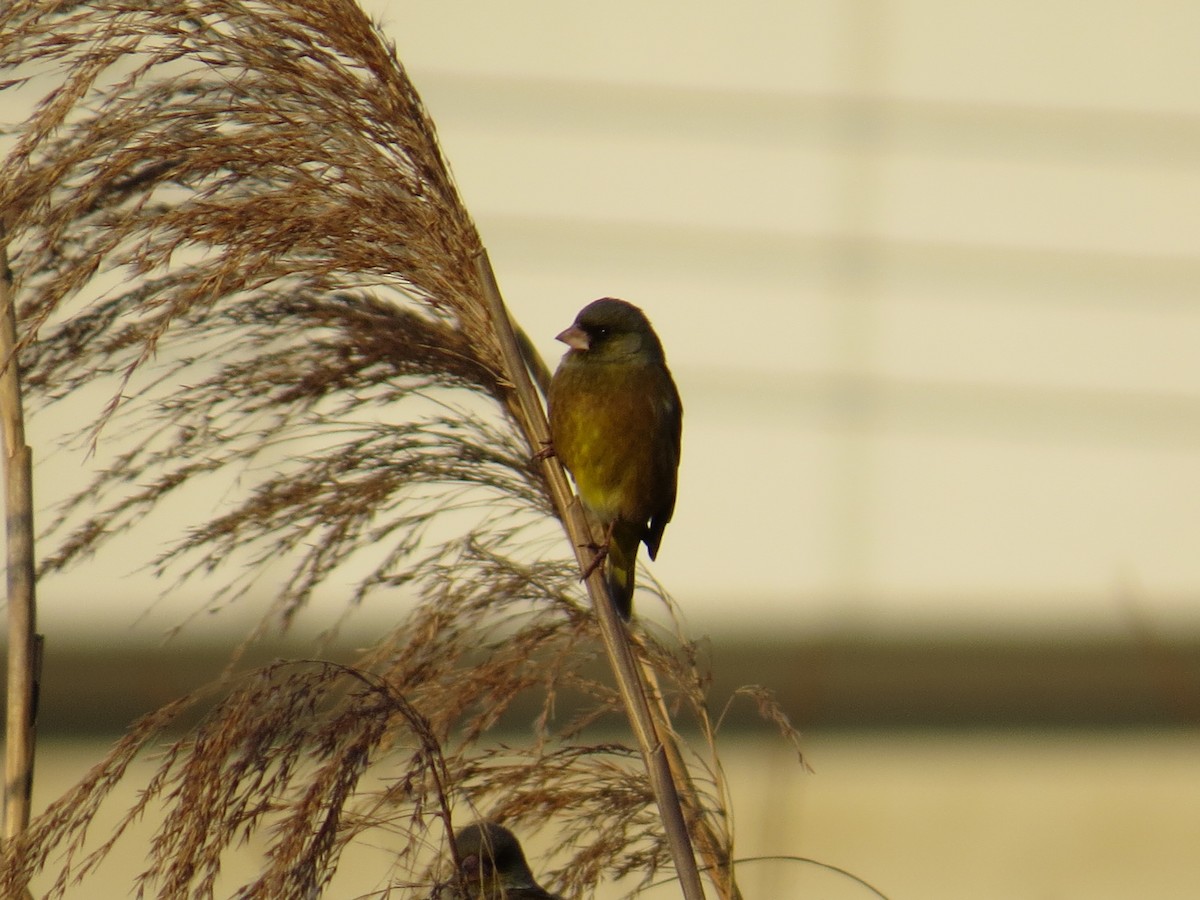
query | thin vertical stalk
[717, 861]
[24, 655]
[651, 741]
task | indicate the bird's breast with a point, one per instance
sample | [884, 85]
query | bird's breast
[611, 426]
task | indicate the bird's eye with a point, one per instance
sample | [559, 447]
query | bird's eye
[600, 331]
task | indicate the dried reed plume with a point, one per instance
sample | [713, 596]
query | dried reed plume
[235, 215]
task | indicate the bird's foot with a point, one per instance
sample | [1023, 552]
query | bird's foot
[601, 551]
[545, 453]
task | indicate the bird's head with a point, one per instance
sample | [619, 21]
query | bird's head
[491, 860]
[611, 329]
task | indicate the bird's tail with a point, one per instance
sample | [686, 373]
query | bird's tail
[622, 561]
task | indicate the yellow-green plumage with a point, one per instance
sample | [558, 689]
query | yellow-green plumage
[615, 420]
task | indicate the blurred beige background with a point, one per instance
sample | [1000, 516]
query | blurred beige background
[927, 274]
[928, 816]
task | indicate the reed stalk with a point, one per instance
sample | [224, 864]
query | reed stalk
[302, 286]
[652, 738]
[24, 644]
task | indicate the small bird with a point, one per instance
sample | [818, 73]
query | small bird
[492, 865]
[615, 424]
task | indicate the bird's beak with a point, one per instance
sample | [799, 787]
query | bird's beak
[472, 866]
[575, 338]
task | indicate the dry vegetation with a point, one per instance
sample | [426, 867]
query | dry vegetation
[235, 216]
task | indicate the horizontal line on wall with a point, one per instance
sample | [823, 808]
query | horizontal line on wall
[1070, 134]
[877, 404]
[1012, 272]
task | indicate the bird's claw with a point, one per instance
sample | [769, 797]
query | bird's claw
[601, 551]
[545, 453]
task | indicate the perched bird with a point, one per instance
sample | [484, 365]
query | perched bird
[615, 423]
[493, 867]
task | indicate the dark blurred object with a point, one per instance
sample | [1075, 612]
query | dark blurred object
[953, 682]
